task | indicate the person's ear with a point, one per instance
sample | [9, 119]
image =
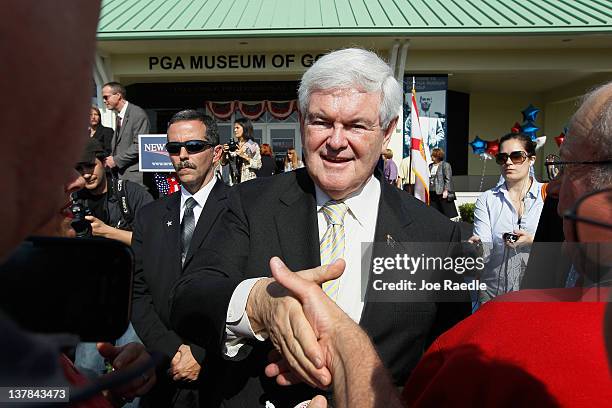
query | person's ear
[217, 153]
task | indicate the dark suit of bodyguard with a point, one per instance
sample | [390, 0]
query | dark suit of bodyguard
[163, 247]
[344, 129]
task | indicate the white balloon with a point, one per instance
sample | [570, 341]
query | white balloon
[486, 156]
[540, 142]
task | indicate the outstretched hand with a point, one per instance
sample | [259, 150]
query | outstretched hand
[275, 312]
[324, 317]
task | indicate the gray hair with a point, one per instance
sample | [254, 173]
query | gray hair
[599, 135]
[116, 87]
[354, 68]
[212, 130]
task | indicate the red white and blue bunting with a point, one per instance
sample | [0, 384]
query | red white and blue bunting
[252, 110]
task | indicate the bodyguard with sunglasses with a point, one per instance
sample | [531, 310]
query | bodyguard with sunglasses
[166, 235]
[506, 217]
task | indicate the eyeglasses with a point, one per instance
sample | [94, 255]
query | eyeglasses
[192, 146]
[588, 226]
[592, 253]
[555, 167]
[517, 157]
[106, 97]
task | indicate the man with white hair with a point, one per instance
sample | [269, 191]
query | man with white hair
[526, 348]
[349, 101]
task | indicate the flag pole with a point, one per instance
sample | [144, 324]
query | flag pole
[411, 133]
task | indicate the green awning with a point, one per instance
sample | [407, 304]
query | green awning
[173, 19]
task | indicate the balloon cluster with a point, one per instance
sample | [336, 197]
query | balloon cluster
[487, 150]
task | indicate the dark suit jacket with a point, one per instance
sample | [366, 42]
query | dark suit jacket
[125, 143]
[157, 249]
[104, 135]
[277, 217]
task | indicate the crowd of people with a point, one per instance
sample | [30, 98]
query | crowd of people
[248, 290]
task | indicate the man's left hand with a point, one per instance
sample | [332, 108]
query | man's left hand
[110, 162]
[445, 194]
[125, 357]
[184, 366]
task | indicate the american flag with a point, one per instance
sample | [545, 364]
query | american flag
[166, 184]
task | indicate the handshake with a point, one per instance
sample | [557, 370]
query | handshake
[315, 341]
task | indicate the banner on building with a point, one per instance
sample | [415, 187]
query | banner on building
[431, 104]
[153, 156]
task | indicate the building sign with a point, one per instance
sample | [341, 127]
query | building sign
[153, 156]
[431, 101]
[223, 62]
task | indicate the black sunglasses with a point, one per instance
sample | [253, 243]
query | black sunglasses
[517, 157]
[555, 166]
[192, 146]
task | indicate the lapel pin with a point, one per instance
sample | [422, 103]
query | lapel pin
[390, 241]
[169, 223]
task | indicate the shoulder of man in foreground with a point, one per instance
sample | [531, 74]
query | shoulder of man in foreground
[488, 362]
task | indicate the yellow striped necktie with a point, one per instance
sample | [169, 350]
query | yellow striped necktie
[332, 243]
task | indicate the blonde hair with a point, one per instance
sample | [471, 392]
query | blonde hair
[388, 153]
[294, 158]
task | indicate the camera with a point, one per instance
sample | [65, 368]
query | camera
[232, 145]
[79, 224]
[510, 237]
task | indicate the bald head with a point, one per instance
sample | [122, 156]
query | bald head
[589, 139]
[590, 130]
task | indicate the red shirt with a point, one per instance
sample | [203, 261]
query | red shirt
[523, 349]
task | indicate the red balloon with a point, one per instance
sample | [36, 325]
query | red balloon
[493, 147]
[559, 139]
[516, 128]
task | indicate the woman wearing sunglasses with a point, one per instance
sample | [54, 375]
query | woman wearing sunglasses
[506, 217]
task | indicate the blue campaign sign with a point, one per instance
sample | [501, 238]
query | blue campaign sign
[153, 156]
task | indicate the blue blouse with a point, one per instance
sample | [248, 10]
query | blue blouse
[495, 215]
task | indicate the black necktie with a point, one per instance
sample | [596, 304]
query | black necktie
[187, 226]
[116, 135]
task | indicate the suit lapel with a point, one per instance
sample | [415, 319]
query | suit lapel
[296, 223]
[172, 228]
[392, 226]
[211, 211]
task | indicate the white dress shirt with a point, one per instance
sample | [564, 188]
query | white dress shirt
[201, 196]
[359, 226]
[121, 113]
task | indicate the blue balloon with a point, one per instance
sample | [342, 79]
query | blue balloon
[478, 145]
[530, 113]
[529, 127]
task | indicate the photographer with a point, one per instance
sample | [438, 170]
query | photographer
[243, 157]
[108, 204]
